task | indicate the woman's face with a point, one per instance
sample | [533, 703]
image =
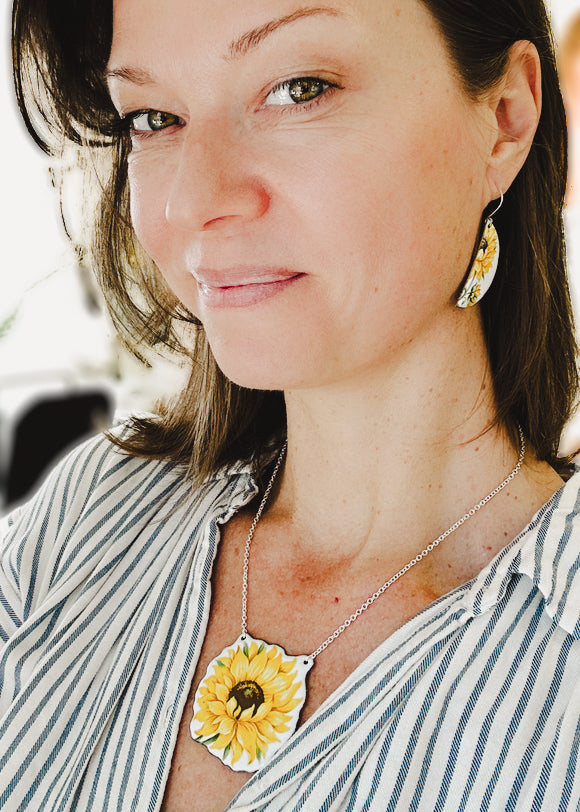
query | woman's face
[309, 179]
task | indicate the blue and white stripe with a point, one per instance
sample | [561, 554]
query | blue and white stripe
[104, 600]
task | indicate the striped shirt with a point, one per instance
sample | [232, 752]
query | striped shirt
[104, 601]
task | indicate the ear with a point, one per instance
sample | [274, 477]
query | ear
[516, 106]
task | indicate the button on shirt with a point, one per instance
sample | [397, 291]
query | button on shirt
[104, 601]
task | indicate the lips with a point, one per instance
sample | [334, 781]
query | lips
[242, 287]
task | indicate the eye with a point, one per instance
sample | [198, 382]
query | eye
[297, 91]
[149, 121]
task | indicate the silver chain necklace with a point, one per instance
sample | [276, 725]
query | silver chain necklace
[248, 704]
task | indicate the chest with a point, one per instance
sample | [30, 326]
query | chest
[296, 613]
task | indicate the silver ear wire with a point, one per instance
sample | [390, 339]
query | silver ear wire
[498, 207]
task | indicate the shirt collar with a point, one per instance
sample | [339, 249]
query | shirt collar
[547, 551]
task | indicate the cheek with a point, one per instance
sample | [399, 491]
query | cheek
[147, 207]
[148, 200]
[398, 202]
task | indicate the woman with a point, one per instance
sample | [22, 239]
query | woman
[316, 188]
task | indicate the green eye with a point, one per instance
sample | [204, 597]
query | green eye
[152, 121]
[158, 120]
[297, 91]
[302, 90]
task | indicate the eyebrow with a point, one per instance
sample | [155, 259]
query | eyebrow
[253, 38]
[134, 75]
[238, 48]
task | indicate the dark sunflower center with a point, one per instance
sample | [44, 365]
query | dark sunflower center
[247, 694]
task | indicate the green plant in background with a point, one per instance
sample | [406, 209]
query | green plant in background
[6, 323]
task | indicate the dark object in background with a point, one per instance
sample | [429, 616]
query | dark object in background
[45, 431]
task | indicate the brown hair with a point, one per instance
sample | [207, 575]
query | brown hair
[60, 50]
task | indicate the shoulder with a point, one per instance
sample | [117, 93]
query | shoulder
[86, 474]
[549, 554]
[99, 505]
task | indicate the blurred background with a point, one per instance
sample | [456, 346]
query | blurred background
[63, 375]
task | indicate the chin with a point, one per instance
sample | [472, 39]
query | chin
[255, 377]
[261, 362]
[261, 371]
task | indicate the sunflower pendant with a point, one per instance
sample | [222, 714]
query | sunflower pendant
[247, 705]
[483, 268]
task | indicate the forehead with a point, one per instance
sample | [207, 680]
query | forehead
[236, 28]
[218, 20]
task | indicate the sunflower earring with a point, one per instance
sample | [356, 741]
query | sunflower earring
[484, 265]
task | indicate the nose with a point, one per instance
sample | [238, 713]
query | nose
[215, 186]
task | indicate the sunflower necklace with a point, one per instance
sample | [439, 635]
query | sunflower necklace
[247, 705]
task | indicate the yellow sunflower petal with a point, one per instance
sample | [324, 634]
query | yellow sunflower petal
[226, 726]
[246, 715]
[280, 683]
[263, 711]
[285, 699]
[223, 741]
[269, 673]
[222, 692]
[276, 718]
[289, 706]
[206, 730]
[285, 704]
[239, 666]
[227, 679]
[204, 716]
[253, 650]
[237, 750]
[247, 736]
[216, 707]
[266, 730]
[256, 667]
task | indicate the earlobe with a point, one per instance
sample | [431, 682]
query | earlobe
[517, 104]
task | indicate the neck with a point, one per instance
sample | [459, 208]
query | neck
[401, 454]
